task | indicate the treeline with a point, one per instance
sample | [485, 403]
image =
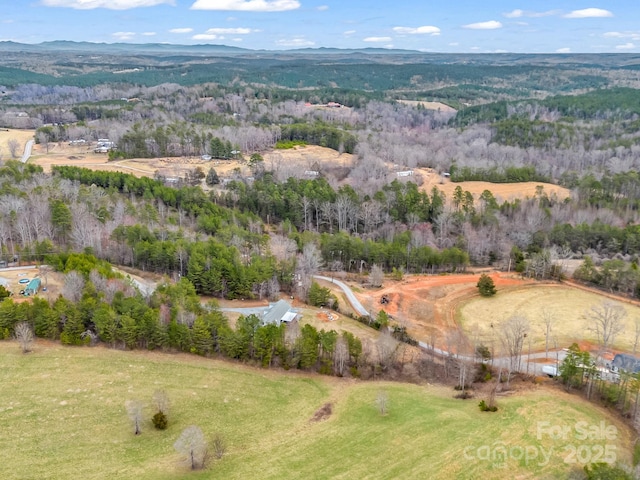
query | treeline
[315, 204]
[597, 236]
[320, 134]
[355, 253]
[524, 133]
[614, 275]
[144, 141]
[190, 200]
[620, 103]
[174, 320]
[496, 175]
[619, 191]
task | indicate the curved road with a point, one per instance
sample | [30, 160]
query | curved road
[27, 151]
[533, 367]
[355, 303]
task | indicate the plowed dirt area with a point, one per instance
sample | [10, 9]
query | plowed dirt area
[427, 305]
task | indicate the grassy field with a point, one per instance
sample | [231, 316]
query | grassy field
[63, 417]
[568, 306]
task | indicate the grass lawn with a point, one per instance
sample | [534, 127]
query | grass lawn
[568, 306]
[63, 417]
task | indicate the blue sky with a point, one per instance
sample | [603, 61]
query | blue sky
[437, 26]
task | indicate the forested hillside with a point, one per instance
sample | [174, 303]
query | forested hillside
[535, 120]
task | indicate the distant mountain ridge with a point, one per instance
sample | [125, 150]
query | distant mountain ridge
[167, 48]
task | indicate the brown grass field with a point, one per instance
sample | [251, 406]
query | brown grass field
[502, 191]
[22, 136]
[568, 305]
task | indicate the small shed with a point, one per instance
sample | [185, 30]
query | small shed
[32, 288]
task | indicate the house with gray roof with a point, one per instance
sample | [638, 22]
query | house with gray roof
[279, 312]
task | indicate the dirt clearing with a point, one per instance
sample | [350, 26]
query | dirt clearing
[502, 191]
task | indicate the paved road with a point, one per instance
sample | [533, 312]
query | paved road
[27, 151]
[355, 303]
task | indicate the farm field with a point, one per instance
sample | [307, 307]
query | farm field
[567, 304]
[63, 416]
[502, 191]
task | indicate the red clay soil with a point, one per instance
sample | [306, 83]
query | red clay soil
[427, 304]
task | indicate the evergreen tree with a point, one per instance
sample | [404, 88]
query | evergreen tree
[212, 177]
[485, 285]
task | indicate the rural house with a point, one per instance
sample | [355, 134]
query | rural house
[279, 312]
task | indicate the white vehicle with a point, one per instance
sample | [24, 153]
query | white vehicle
[550, 370]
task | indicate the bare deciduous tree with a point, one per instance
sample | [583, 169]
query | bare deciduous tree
[513, 334]
[73, 286]
[134, 410]
[340, 356]
[14, 146]
[382, 402]
[548, 318]
[606, 321]
[193, 445]
[24, 336]
[636, 336]
[386, 348]
[376, 276]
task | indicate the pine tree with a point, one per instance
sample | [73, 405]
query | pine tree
[485, 285]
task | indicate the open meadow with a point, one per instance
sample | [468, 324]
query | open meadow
[63, 417]
[568, 307]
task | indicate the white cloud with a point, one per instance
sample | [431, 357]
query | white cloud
[148, 34]
[229, 31]
[454, 44]
[237, 39]
[247, 5]
[204, 36]
[589, 13]
[517, 13]
[322, 8]
[490, 25]
[626, 46]
[349, 32]
[110, 4]
[295, 42]
[631, 35]
[123, 35]
[181, 30]
[563, 50]
[424, 30]
[377, 39]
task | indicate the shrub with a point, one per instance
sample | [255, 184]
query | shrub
[160, 421]
[486, 408]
